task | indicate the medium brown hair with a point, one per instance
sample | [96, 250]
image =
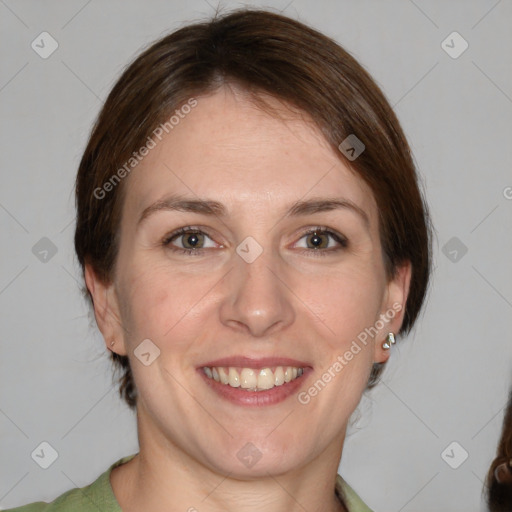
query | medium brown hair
[498, 485]
[261, 52]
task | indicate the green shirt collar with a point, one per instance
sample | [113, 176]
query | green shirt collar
[101, 494]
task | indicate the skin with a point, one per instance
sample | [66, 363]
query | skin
[291, 301]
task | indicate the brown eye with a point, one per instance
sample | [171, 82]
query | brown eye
[317, 241]
[192, 240]
[322, 240]
[188, 240]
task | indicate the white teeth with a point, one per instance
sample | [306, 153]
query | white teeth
[279, 376]
[224, 377]
[234, 378]
[248, 378]
[251, 379]
[266, 379]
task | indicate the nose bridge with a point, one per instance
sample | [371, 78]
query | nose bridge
[255, 297]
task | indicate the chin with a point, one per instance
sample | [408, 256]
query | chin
[246, 460]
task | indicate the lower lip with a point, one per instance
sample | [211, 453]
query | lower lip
[241, 396]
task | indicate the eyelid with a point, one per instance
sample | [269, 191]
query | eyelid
[183, 231]
[324, 230]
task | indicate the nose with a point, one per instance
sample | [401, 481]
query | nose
[256, 299]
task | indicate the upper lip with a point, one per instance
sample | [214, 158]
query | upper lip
[256, 363]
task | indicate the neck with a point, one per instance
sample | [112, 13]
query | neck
[163, 477]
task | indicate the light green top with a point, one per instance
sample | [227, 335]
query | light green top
[99, 497]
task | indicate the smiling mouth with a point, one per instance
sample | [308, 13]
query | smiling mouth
[251, 379]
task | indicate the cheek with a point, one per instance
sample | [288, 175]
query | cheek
[348, 300]
[162, 305]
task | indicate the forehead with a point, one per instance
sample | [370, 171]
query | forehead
[228, 149]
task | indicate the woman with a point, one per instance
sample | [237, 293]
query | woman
[252, 237]
[499, 477]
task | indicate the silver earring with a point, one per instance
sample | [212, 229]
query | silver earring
[390, 340]
[112, 343]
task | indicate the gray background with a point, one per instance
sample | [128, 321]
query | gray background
[448, 381]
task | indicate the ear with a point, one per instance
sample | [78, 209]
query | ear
[393, 309]
[106, 311]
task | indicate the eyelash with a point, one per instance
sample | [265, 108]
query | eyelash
[321, 230]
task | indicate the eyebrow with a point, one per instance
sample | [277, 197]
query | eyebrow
[214, 208]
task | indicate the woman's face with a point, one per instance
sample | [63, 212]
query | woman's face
[247, 285]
